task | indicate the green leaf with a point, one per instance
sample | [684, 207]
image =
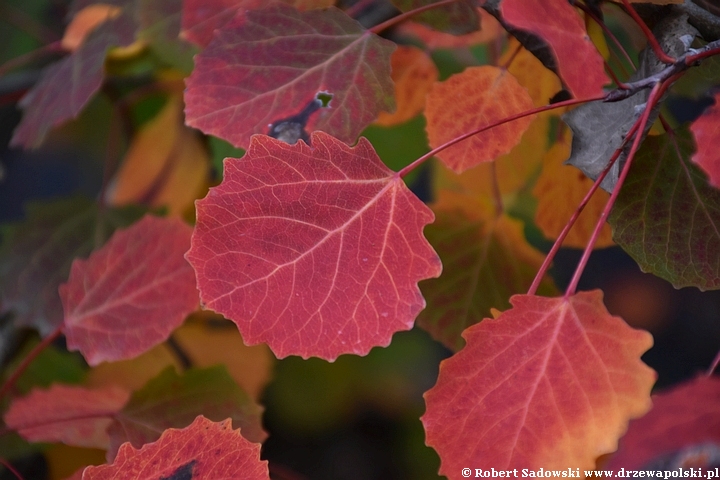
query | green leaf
[36, 254]
[667, 217]
[173, 401]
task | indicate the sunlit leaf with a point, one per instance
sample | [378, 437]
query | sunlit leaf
[550, 383]
[268, 65]
[315, 251]
[85, 21]
[477, 97]
[667, 217]
[203, 451]
[132, 293]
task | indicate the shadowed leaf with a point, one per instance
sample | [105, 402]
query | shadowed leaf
[457, 18]
[555, 21]
[267, 65]
[132, 293]
[315, 251]
[683, 419]
[72, 415]
[37, 254]
[550, 383]
[706, 130]
[559, 191]
[486, 259]
[173, 401]
[66, 86]
[204, 450]
[667, 217]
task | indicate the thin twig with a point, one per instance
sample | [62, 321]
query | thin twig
[10, 382]
[656, 93]
[652, 41]
[10, 468]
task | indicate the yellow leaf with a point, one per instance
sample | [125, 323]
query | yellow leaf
[166, 164]
[85, 22]
[559, 191]
[414, 74]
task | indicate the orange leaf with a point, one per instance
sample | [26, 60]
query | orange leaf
[559, 191]
[166, 164]
[203, 451]
[477, 97]
[706, 130]
[85, 22]
[550, 383]
[414, 74]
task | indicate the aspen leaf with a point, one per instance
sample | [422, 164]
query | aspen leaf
[270, 64]
[559, 191]
[667, 217]
[486, 258]
[315, 251]
[706, 130]
[550, 383]
[204, 450]
[556, 22]
[131, 294]
[489, 30]
[85, 22]
[200, 18]
[36, 255]
[166, 164]
[66, 86]
[73, 415]
[414, 74]
[173, 401]
[683, 420]
[477, 97]
[457, 18]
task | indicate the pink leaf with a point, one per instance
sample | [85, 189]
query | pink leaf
[315, 250]
[72, 415]
[556, 22]
[707, 137]
[132, 293]
[265, 66]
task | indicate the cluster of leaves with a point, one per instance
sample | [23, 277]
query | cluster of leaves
[314, 247]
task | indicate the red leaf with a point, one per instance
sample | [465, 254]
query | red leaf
[315, 250]
[684, 417]
[66, 86]
[72, 415]
[556, 22]
[707, 137]
[267, 65]
[132, 293]
[550, 383]
[200, 18]
[203, 451]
